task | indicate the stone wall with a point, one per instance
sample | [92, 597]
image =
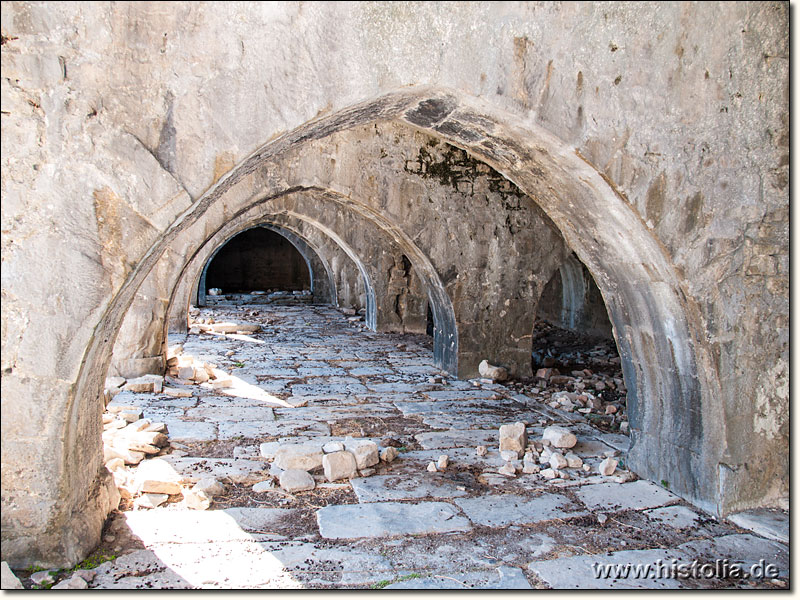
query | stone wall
[571, 300]
[654, 138]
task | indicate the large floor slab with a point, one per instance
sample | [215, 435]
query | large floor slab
[770, 523]
[509, 509]
[388, 519]
[501, 578]
[636, 495]
[383, 488]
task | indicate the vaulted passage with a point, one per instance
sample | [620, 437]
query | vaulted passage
[601, 180]
[258, 260]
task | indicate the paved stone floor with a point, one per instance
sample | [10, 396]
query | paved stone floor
[313, 375]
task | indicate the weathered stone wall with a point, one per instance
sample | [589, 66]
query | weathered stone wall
[571, 300]
[654, 136]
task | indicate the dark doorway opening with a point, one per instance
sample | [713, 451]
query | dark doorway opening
[429, 325]
[258, 260]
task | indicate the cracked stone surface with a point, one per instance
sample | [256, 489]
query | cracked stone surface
[403, 527]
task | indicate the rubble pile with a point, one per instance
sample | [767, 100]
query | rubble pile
[183, 369]
[132, 445]
[550, 458]
[300, 466]
[576, 375]
[277, 297]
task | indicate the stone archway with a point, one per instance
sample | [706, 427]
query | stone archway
[675, 404]
[322, 285]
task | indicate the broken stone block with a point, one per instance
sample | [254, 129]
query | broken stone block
[87, 575]
[508, 470]
[175, 380]
[548, 473]
[42, 578]
[135, 446]
[263, 486]
[544, 373]
[176, 393]
[611, 409]
[138, 425]
[333, 447]
[513, 437]
[560, 437]
[145, 384]
[151, 500]
[492, 372]
[367, 472]
[557, 460]
[154, 438]
[196, 500]
[185, 372]
[222, 383]
[608, 466]
[157, 476]
[114, 464]
[73, 583]
[339, 465]
[210, 486]
[481, 450]
[131, 457]
[530, 467]
[432, 467]
[200, 375]
[508, 455]
[623, 428]
[573, 460]
[296, 480]
[365, 452]
[157, 428]
[131, 416]
[624, 477]
[306, 457]
[441, 464]
[389, 454]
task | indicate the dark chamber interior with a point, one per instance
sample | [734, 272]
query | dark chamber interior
[258, 259]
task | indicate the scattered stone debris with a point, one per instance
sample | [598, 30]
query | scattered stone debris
[73, 583]
[608, 466]
[389, 454]
[339, 465]
[210, 486]
[264, 486]
[508, 470]
[296, 480]
[42, 578]
[560, 437]
[481, 450]
[514, 438]
[442, 462]
[492, 372]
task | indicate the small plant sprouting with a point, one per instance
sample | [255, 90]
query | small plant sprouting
[384, 582]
